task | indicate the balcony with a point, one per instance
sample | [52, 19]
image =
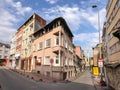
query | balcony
[57, 48]
[117, 33]
[56, 68]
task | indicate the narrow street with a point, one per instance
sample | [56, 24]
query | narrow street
[13, 81]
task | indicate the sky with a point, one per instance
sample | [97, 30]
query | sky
[79, 15]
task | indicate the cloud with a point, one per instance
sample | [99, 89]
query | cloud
[71, 15]
[87, 37]
[18, 6]
[75, 16]
[10, 17]
[92, 17]
[87, 40]
[51, 1]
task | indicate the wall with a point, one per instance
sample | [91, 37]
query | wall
[113, 77]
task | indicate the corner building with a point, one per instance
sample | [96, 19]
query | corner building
[53, 50]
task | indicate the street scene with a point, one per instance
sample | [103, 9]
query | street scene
[10, 80]
[60, 45]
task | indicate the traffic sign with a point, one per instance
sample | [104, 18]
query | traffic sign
[100, 60]
[100, 64]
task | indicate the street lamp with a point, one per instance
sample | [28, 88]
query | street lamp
[100, 57]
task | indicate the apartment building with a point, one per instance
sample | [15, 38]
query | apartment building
[4, 50]
[113, 25]
[53, 50]
[33, 24]
[12, 51]
[111, 43]
[18, 50]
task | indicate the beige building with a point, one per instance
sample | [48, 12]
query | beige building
[53, 50]
[111, 43]
[33, 24]
[96, 54]
[113, 25]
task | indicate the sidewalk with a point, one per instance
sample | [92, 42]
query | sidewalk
[38, 77]
[32, 75]
[97, 84]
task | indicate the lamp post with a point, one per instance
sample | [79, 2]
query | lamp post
[100, 57]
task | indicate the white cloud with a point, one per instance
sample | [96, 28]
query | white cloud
[71, 15]
[87, 37]
[92, 17]
[87, 40]
[7, 21]
[9, 18]
[75, 16]
[51, 1]
[18, 6]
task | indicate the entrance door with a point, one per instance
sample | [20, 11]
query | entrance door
[64, 75]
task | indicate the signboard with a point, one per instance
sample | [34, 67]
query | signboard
[95, 71]
[100, 62]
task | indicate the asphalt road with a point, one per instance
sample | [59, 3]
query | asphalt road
[10, 80]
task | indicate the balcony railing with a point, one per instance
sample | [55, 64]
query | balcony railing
[55, 68]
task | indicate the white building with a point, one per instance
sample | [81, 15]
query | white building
[4, 50]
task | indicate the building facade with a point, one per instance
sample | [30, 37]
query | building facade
[79, 60]
[53, 50]
[95, 55]
[33, 24]
[111, 38]
[18, 50]
[4, 52]
[12, 51]
[113, 25]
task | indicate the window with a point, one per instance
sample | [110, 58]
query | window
[48, 42]
[48, 74]
[47, 60]
[6, 52]
[40, 46]
[5, 57]
[26, 31]
[57, 40]
[31, 27]
[56, 59]
[70, 62]
[39, 59]
[65, 44]
[66, 61]
[119, 3]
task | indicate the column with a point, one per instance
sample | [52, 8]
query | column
[59, 58]
[59, 38]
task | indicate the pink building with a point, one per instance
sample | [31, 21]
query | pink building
[53, 50]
